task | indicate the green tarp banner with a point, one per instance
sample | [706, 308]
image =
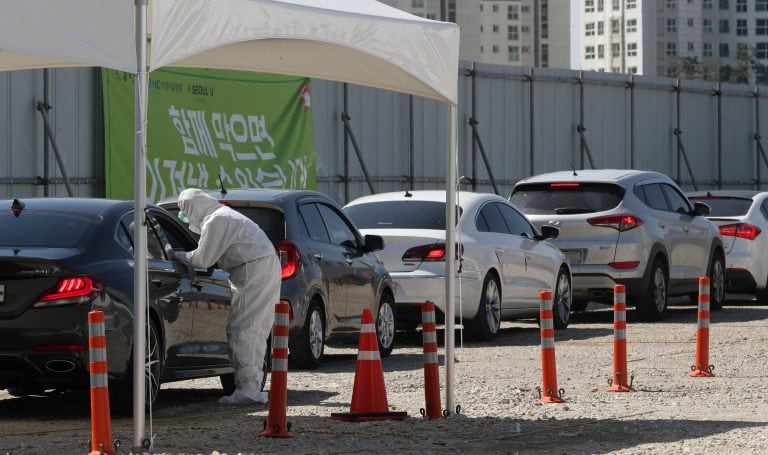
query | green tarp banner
[250, 130]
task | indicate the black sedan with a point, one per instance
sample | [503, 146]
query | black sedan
[61, 258]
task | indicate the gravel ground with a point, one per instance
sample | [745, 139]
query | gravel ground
[669, 413]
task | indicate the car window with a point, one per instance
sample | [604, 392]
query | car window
[492, 220]
[726, 206]
[173, 234]
[33, 228]
[341, 233]
[654, 197]
[516, 222]
[565, 198]
[677, 202]
[398, 215]
[154, 247]
[270, 220]
[313, 222]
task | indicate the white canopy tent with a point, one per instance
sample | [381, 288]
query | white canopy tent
[357, 41]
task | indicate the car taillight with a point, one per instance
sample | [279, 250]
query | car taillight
[564, 185]
[742, 230]
[73, 290]
[425, 253]
[290, 258]
[621, 223]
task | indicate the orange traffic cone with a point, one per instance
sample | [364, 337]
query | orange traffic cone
[276, 426]
[369, 395]
[101, 426]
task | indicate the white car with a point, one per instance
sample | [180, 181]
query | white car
[504, 261]
[742, 217]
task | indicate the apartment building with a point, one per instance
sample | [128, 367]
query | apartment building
[508, 32]
[698, 39]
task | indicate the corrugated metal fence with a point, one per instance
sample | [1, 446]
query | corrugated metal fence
[520, 121]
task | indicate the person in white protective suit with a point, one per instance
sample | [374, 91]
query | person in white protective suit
[241, 248]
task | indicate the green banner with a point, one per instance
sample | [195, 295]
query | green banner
[249, 130]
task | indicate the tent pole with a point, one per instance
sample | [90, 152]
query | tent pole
[140, 230]
[450, 260]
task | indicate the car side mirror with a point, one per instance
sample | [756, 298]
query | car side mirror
[700, 209]
[549, 232]
[374, 243]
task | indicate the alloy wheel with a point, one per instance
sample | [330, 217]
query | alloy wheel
[316, 334]
[492, 305]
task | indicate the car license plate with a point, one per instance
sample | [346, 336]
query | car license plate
[573, 257]
[2, 294]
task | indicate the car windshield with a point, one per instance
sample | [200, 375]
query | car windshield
[45, 229]
[725, 206]
[398, 215]
[566, 198]
[269, 220]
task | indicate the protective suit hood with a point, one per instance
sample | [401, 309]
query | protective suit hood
[197, 205]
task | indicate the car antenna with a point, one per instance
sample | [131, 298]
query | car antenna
[17, 207]
[407, 193]
[221, 182]
[574, 170]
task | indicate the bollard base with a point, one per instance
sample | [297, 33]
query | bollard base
[619, 388]
[701, 374]
[283, 433]
[551, 400]
[366, 416]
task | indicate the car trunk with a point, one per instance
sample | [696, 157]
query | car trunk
[24, 278]
[397, 242]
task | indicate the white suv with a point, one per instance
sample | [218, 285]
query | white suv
[627, 227]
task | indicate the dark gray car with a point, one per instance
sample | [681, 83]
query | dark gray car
[330, 271]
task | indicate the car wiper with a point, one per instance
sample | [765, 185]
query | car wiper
[572, 210]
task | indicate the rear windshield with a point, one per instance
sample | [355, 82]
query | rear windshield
[725, 206]
[269, 220]
[566, 198]
[398, 215]
[46, 229]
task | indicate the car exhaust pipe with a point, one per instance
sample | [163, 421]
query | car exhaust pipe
[60, 366]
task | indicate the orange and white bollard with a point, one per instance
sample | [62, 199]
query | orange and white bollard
[619, 380]
[549, 393]
[431, 368]
[276, 426]
[101, 426]
[702, 367]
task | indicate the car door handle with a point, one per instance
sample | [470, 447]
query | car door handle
[318, 256]
[349, 260]
[662, 225]
[158, 283]
[685, 228]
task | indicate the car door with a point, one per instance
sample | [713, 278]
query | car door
[361, 272]
[494, 235]
[695, 241]
[207, 292]
[669, 224]
[332, 262]
[539, 265]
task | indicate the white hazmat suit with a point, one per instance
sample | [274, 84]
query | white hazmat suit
[241, 248]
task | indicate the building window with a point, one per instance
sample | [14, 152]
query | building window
[671, 4]
[495, 8]
[589, 53]
[525, 50]
[545, 55]
[513, 53]
[616, 5]
[589, 6]
[671, 49]
[615, 26]
[724, 5]
[525, 29]
[482, 49]
[671, 25]
[512, 34]
[600, 5]
[615, 50]
[761, 50]
[761, 5]
[632, 26]
[495, 29]
[525, 9]
[600, 51]
[631, 49]
[589, 29]
[481, 10]
[706, 4]
[419, 4]
[707, 25]
[706, 49]
[724, 50]
[689, 22]
[741, 27]
[725, 26]
[761, 27]
[690, 47]
[512, 13]
[632, 70]
[631, 4]
[495, 49]
[741, 6]
[600, 28]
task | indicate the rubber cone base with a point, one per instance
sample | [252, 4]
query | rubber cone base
[276, 434]
[701, 374]
[551, 400]
[619, 388]
[366, 416]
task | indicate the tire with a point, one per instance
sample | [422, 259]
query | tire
[561, 302]
[385, 325]
[228, 380]
[717, 282]
[653, 301]
[306, 347]
[487, 322]
[121, 391]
